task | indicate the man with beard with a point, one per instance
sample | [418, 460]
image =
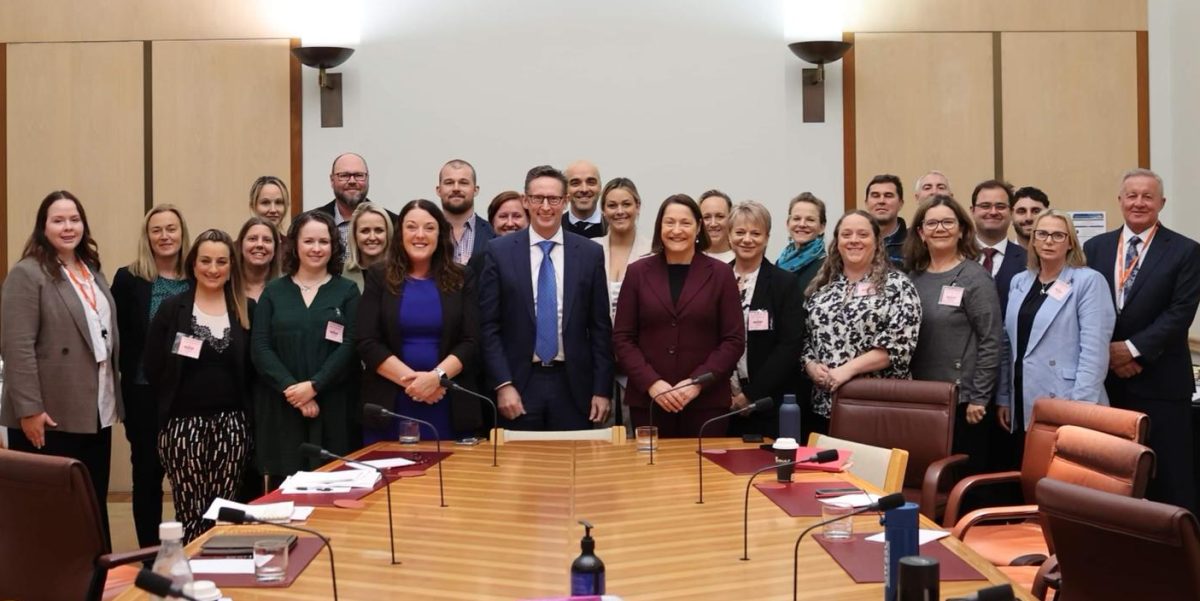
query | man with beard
[456, 188]
[1029, 202]
[583, 192]
[350, 180]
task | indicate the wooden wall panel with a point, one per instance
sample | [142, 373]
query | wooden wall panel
[220, 119]
[923, 101]
[75, 122]
[85, 20]
[1071, 115]
[993, 15]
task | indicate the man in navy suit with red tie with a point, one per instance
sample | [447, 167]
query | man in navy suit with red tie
[1154, 276]
[544, 314]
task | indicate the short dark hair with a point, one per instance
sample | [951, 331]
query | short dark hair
[717, 193]
[885, 178]
[1032, 193]
[545, 171]
[993, 184]
[702, 240]
[337, 247]
[500, 199]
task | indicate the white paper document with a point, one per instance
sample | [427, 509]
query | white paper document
[271, 512]
[855, 500]
[925, 536]
[310, 482]
[384, 464]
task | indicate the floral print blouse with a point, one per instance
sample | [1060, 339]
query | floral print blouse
[848, 319]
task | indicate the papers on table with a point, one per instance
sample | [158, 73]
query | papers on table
[307, 483]
[226, 566]
[855, 500]
[925, 536]
[272, 512]
[384, 464]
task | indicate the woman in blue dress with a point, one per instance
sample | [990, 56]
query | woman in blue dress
[419, 320]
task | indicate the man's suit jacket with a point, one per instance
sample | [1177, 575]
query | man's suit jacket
[657, 339]
[509, 324]
[1158, 311]
[1067, 353]
[483, 234]
[377, 336]
[330, 208]
[584, 228]
[1015, 259]
[49, 364]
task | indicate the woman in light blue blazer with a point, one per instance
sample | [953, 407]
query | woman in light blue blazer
[1058, 325]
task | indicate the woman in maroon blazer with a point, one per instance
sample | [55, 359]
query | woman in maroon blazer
[678, 316]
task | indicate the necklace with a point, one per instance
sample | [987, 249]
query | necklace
[306, 288]
[1046, 287]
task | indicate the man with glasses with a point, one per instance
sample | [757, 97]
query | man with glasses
[350, 180]
[1153, 276]
[457, 189]
[991, 208]
[583, 192]
[1028, 203]
[546, 335]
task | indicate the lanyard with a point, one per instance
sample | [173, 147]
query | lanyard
[89, 293]
[1123, 275]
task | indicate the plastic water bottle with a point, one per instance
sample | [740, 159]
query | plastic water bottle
[171, 561]
[789, 418]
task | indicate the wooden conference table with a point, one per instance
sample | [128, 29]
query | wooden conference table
[510, 532]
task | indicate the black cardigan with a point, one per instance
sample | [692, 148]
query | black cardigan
[132, 297]
[163, 367]
[378, 337]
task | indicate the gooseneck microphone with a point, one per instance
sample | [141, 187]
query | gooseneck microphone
[446, 382]
[760, 405]
[237, 516]
[373, 410]
[313, 451]
[821, 457]
[700, 380]
[160, 586]
[1000, 592]
[886, 503]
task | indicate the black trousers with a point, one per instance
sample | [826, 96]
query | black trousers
[141, 430]
[1171, 435]
[93, 450]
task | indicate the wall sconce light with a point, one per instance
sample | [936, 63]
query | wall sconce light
[817, 53]
[326, 57]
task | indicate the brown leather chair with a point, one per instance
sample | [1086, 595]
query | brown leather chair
[1080, 456]
[1048, 416]
[52, 546]
[913, 415]
[1111, 548]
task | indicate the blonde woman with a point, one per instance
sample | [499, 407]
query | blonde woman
[138, 290]
[270, 200]
[371, 233]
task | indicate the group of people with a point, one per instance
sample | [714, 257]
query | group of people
[236, 350]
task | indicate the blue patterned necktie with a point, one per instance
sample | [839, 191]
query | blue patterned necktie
[1131, 258]
[546, 345]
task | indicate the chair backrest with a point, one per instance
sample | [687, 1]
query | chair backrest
[1101, 461]
[614, 434]
[1111, 547]
[50, 532]
[1050, 414]
[884, 468]
[914, 415]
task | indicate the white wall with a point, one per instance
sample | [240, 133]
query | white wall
[679, 96]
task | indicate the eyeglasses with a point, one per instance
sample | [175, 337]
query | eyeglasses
[988, 207]
[933, 224]
[554, 201]
[1043, 235]
[345, 176]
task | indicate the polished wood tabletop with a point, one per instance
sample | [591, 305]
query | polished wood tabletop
[510, 532]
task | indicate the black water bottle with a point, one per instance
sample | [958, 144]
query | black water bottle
[587, 571]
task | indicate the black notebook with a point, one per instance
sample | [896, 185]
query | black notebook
[241, 544]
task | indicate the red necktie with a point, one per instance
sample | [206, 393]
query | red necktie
[988, 255]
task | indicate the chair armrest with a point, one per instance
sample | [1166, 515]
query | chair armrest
[956, 495]
[1048, 577]
[989, 514]
[934, 475]
[111, 560]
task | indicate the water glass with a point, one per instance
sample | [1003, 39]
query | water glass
[410, 432]
[647, 438]
[270, 560]
[837, 530]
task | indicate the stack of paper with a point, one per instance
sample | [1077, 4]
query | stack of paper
[271, 512]
[855, 500]
[307, 483]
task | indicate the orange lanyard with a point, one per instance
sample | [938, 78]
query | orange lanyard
[1123, 275]
[89, 293]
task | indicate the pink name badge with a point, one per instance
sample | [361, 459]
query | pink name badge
[1059, 290]
[334, 331]
[758, 320]
[951, 296]
[187, 346]
[864, 289]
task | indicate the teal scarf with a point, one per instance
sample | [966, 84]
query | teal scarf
[794, 259]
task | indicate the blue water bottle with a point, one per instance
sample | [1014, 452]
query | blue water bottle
[900, 535]
[789, 418]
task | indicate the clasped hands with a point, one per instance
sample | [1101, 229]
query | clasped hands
[675, 400]
[303, 397]
[1121, 361]
[828, 378]
[423, 386]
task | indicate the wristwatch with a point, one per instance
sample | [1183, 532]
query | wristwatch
[440, 372]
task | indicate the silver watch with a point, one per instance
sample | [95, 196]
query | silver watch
[440, 372]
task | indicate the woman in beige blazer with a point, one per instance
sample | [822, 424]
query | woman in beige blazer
[58, 336]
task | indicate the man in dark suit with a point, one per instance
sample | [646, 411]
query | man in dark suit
[583, 192]
[991, 208]
[457, 188]
[1154, 276]
[350, 181]
[546, 332]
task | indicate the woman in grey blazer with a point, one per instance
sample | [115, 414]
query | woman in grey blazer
[58, 336]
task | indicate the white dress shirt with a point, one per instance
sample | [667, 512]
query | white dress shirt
[535, 268]
[997, 260]
[1123, 248]
[100, 331]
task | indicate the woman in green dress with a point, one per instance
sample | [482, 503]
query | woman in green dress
[302, 344]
